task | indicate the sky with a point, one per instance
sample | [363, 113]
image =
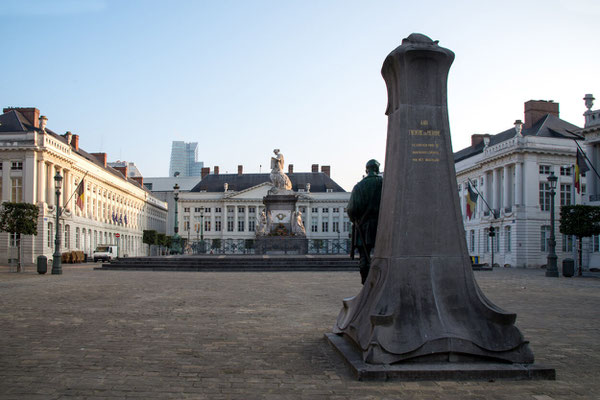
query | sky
[242, 77]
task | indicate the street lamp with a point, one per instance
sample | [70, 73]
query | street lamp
[176, 197]
[202, 224]
[176, 242]
[56, 261]
[551, 268]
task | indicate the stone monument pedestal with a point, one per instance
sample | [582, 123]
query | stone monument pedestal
[279, 237]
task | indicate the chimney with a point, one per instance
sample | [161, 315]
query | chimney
[204, 172]
[216, 170]
[101, 157]
[138, 179]
[537, 109]
[290, 168]
[326, 169]
[240, 170]
[75, 142]
[32, 114]
[43, 121]
[68, 136]
[315, 168]
[476, 139]
[123, 170]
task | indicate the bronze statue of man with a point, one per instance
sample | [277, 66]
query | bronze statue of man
[363, 210]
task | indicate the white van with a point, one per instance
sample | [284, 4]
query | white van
[105, 252]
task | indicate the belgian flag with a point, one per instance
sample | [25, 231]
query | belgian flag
[471, 201]
[581, 167]
[80, 195]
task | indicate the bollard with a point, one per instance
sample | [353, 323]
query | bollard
[42, 265]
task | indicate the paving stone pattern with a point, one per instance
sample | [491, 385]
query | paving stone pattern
[253, 335]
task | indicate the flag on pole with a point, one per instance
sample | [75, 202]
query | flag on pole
[471, 201]
[80, 195]
[581, 167]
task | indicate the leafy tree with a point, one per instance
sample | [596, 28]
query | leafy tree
[580, 221]
[150, 237]
[19, 219]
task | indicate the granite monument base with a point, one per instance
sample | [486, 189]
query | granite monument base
[438, 370]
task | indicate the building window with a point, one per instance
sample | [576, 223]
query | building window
[335, 224]
[544, 236]
[565, 194]
[251, 210]
[186, 209]
[544, 196]
[197, 209]
[217, 209]
[567, 243]
[596, 243]
[545, 169]
[206, 210]
[565, 171]
[16, 195]
[16, 166]
[50, 234]
[325, 226]
[148, 186]
[507, 239]
[472, 241]
[230, 209]
[229, 224]
[241, 226]
[329, 190]
[583, 189]
[315, 210]
[251, 225]
[241, 210]
[486, 233]
[325, 210]
[12, 239]
[336, 210]
[314, 225]
[218, 224]
[207, 225]
[302, 210]
[347, 227]
[67, 237]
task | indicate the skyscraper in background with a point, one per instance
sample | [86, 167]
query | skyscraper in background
[184, 158]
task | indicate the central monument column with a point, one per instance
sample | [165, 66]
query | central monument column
[421, 303]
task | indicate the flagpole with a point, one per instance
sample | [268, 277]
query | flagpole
[77, 188]
[482, 198]
[584, 155]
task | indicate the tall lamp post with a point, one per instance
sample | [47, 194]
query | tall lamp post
[202, 249]
[175, 243]
[551, 267]
[56, 260]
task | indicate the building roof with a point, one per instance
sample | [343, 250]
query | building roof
[319, 182]
[14, 121]
[548, 126]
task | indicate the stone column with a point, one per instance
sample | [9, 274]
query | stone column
[496, 189]
[518, 183]
[41, 181]
[591, 182]
[6, 182]
[235, 218]
[506, 189]
[50, 196]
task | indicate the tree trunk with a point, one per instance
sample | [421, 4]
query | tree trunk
[19, 266]
[579, 257]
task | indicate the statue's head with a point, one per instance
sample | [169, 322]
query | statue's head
[372, 167]
[276, 151]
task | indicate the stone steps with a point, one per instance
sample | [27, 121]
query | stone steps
[234, 263]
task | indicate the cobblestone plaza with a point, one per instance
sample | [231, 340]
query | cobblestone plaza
[253, 335]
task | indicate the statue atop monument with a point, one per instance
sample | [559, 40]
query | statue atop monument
[363, 210]
[279, 179]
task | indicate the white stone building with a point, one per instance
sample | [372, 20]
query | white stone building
[591, 133]
[510, 170]
[225, 206]
[30, 156]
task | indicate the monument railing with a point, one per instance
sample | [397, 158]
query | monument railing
[248, 246]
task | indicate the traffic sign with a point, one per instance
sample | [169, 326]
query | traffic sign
[117, 235]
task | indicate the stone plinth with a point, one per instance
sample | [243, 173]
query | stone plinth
[281, 245]
[281, 208]
[421, 302]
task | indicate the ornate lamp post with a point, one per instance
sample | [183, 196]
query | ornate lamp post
[175, 243]
[202, 224]
[56, 260]
[551, 268]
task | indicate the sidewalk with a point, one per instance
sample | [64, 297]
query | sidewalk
[159, 335]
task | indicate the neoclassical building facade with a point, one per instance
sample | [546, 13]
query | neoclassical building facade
[591, 133]
[226, 206]
[510, 172]
[115, 208]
